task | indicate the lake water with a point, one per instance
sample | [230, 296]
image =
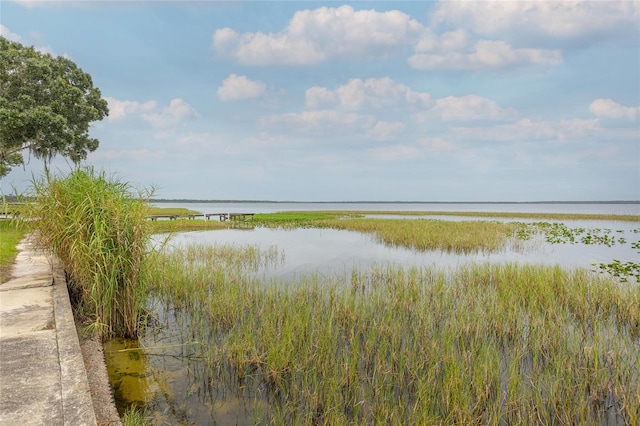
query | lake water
[328, 251]
[272, 207]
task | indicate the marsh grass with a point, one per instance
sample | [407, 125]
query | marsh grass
[185, 225]
[502, 215]
[429, 234]
[96, 226]
[178, 211]
[480, 345]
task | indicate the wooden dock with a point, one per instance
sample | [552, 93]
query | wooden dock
[222, 217]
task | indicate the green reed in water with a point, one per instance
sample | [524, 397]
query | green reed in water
[479, 345]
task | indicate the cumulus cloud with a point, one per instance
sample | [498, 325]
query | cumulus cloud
[121, 109]
[314, 36]
[607, 108]
[484, 54]
[318, 35]
[552, 22]
[470, 107]
[171, 115]
[239, 87]
[373, 92]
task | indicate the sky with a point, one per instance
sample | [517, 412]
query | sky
[354, 101]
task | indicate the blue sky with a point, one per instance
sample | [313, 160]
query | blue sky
[351, 101]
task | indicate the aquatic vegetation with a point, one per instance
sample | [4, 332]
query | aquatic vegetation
[483, 344]
[559, 233]
[429, 234]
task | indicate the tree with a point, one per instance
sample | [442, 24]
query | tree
[46, 106]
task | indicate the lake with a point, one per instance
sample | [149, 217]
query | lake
[331, 251]
[632, 208]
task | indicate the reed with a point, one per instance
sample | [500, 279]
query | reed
[96, 226]
[479, 345]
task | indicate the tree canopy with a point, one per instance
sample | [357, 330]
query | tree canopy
[46, 106]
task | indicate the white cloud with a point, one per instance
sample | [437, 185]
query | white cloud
[313, 36]
[6, 33]
[373, 92]
[177, 111]
[238, 87]
[121, 109]
[470, 107]
[448, 41]
[549, 21]
[485, 54]
[607, 108]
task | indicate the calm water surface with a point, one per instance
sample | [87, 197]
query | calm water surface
[329, 251]
[272, 207]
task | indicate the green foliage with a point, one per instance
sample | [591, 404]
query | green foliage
[46, 105]
[97, 228]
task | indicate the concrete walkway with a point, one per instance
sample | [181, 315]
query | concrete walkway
[43, 380]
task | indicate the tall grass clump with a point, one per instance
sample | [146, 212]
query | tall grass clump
[95, 225]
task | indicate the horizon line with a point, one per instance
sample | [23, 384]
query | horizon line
[200, 200]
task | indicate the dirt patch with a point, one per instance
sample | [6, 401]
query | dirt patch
[101, 392]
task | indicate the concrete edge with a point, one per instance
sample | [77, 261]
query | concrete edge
[76, 395]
